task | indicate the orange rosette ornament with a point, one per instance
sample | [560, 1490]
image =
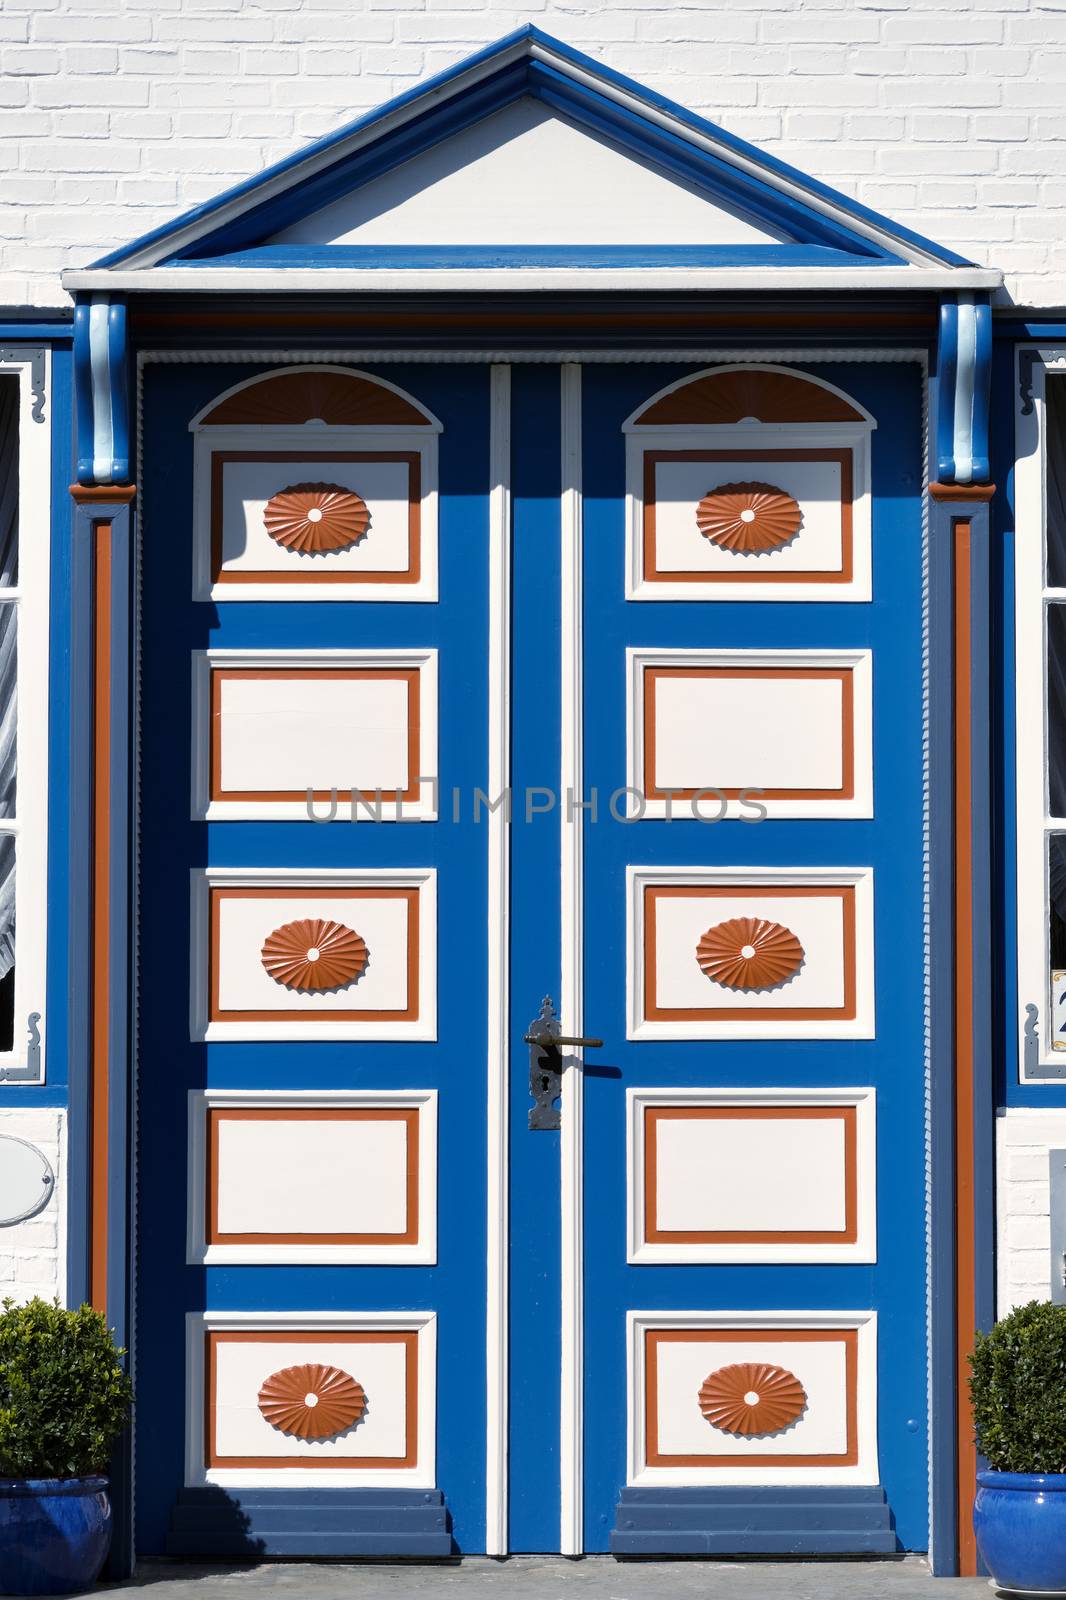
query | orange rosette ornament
[748, 518]
[749, 953]
[314, 518]
[312, 1401]
[752, 1398]
[314, 954]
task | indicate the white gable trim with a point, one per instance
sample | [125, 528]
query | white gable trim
[631, 98]
[369, 280]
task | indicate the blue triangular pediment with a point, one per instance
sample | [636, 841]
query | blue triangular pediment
[529, 154]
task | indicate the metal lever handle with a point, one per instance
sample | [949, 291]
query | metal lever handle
[546, 1064]
[552, 1041]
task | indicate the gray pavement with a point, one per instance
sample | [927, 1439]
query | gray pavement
[544, 1578]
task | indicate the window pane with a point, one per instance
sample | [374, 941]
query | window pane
[9, 481]
[7, 942]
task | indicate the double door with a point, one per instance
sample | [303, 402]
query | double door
[464, 687]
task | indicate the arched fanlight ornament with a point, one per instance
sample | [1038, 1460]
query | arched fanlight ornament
[312, 1401]
[752, 1398]
[314, 953]
[314, 518]
[749, 953]
[748, 518]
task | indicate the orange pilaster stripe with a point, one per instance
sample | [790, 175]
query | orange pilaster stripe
[101, 951]
[965, 1242]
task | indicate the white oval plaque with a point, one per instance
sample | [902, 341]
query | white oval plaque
[26, 1180]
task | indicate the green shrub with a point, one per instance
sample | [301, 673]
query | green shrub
[64, 1395]
[1018, 1390]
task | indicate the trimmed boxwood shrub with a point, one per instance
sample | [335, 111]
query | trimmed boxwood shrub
[64, 1395]
[1018, 1390]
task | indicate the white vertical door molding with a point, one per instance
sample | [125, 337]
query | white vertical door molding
[499, 947]
[571, 999]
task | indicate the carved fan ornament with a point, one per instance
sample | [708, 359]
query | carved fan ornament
[748, 518]
[314, 954]
[749, 953]
[752, 1398]
[312, 1401]
[314, 518]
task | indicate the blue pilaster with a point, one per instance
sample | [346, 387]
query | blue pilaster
[99, 999]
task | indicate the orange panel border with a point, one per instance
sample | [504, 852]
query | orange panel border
[297, 892]
[844, 675]
[412, 573]
[653, 1012]
[654, 1337]
[410, 675]
[216, 1115]
[214, 1337]
[843, 458]
[846, 1114]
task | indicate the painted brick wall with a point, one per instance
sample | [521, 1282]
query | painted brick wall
[949, 115]
[1023, 1224]
[33, 1253]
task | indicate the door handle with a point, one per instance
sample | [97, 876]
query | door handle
[546, 1065]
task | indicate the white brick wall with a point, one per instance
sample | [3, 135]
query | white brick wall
[949, 115]
[33, 1253]
[1023, 1224]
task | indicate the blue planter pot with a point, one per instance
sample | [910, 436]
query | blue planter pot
[1020, 1522]
[54, 1534]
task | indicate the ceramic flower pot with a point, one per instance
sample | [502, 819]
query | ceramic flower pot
[54, 1534]
[1020, 1522]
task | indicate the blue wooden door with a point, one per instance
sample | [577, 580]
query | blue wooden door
[676, 614]
[752, 1166]
[311, 1221]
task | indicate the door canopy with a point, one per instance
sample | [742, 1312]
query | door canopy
[530, 164]
[528, 167]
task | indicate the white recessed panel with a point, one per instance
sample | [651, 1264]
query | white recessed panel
[751, 1175]
[818, 923]
[246, 924]
[335, 1176]
[390, 992]
[824, 1433]
[742, 733]
[820, 918]
[788, 730]
[248, 485]
[272, 728]
[821, 1368]
[230, 1355]
[822, 469]
[765, 1175]
[524, 175]
[240, 469]
[313, 732]
[242, 1366]
[290, 1176]
[681, 547]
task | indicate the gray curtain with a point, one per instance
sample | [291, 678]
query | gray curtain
[9, 482]
[9, 519]
[1056, 708]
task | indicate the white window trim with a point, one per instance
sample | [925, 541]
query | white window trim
[31, 597]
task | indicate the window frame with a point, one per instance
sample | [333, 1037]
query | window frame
[31, 596]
